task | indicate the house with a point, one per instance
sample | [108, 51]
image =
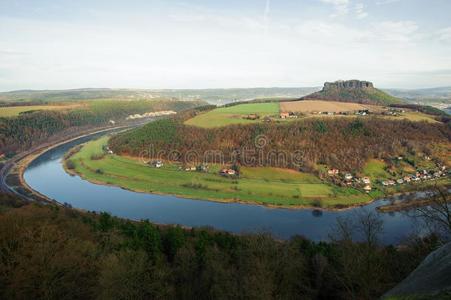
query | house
[252, 117]
[190, 169]
[363, 112]
[407, 178]
[202, 168]
[225, 172]
[367, 188]
[388, 182]
[157, 163]
[366, 180]
[112, 122]
[333, 172]
[284, 115]
[400, 181]
[348, 176]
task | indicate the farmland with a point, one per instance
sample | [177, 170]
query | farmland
[233, 114]
[237, 114]
[12, 111]
[308, 106]
[261, 185]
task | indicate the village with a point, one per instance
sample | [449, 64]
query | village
[347, 179]
[232, 171]
[295, 115]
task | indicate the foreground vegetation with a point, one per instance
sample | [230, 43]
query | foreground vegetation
[262, 185]
[50, 252]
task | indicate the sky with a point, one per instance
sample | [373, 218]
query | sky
[48, 44]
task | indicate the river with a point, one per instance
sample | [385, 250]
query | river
[46, 175]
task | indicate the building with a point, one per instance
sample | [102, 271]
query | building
[284, 115]
[157, 163]
[333, 172]
[226, 172]
[366, 180]
[252, 117]
[348, 176]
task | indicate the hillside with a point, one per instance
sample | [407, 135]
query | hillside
[35, 126]
[344, 143]
[353, 91]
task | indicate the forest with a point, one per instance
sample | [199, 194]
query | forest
[30, 129]
[342, 143]
[55, 252]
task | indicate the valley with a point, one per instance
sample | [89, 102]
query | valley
[311, 182]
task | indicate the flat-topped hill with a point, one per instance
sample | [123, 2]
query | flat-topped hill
[353, 91]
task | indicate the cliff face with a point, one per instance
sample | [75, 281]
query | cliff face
[353, 91]
[348, 84]
[432, 277]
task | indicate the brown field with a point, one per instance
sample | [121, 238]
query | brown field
[309, 106]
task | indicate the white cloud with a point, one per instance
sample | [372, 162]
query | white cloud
[360, 12]
[267, 10]
[341, 6]
[198, 48]
[383, 2]
[444, 35]
[395, 31]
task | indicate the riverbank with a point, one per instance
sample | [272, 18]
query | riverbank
[271, 187]
[12, 172]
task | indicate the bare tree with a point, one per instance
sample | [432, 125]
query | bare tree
[437, 214]
[357, 238]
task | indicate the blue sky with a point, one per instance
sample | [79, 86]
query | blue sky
[208, 44]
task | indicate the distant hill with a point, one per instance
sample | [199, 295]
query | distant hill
[353, 91]
[214, 96]
[439, 97]
[439, 94]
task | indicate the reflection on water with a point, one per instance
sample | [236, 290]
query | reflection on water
[47, 176]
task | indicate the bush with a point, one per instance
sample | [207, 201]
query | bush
[70, 164]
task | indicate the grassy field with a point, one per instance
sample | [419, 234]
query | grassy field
[233, 114]
[269, 186]
[375, 169]
[12, 111]
[224, 116]
[413, 116]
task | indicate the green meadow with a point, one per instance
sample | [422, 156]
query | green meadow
[262, 185]
[235, 114]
